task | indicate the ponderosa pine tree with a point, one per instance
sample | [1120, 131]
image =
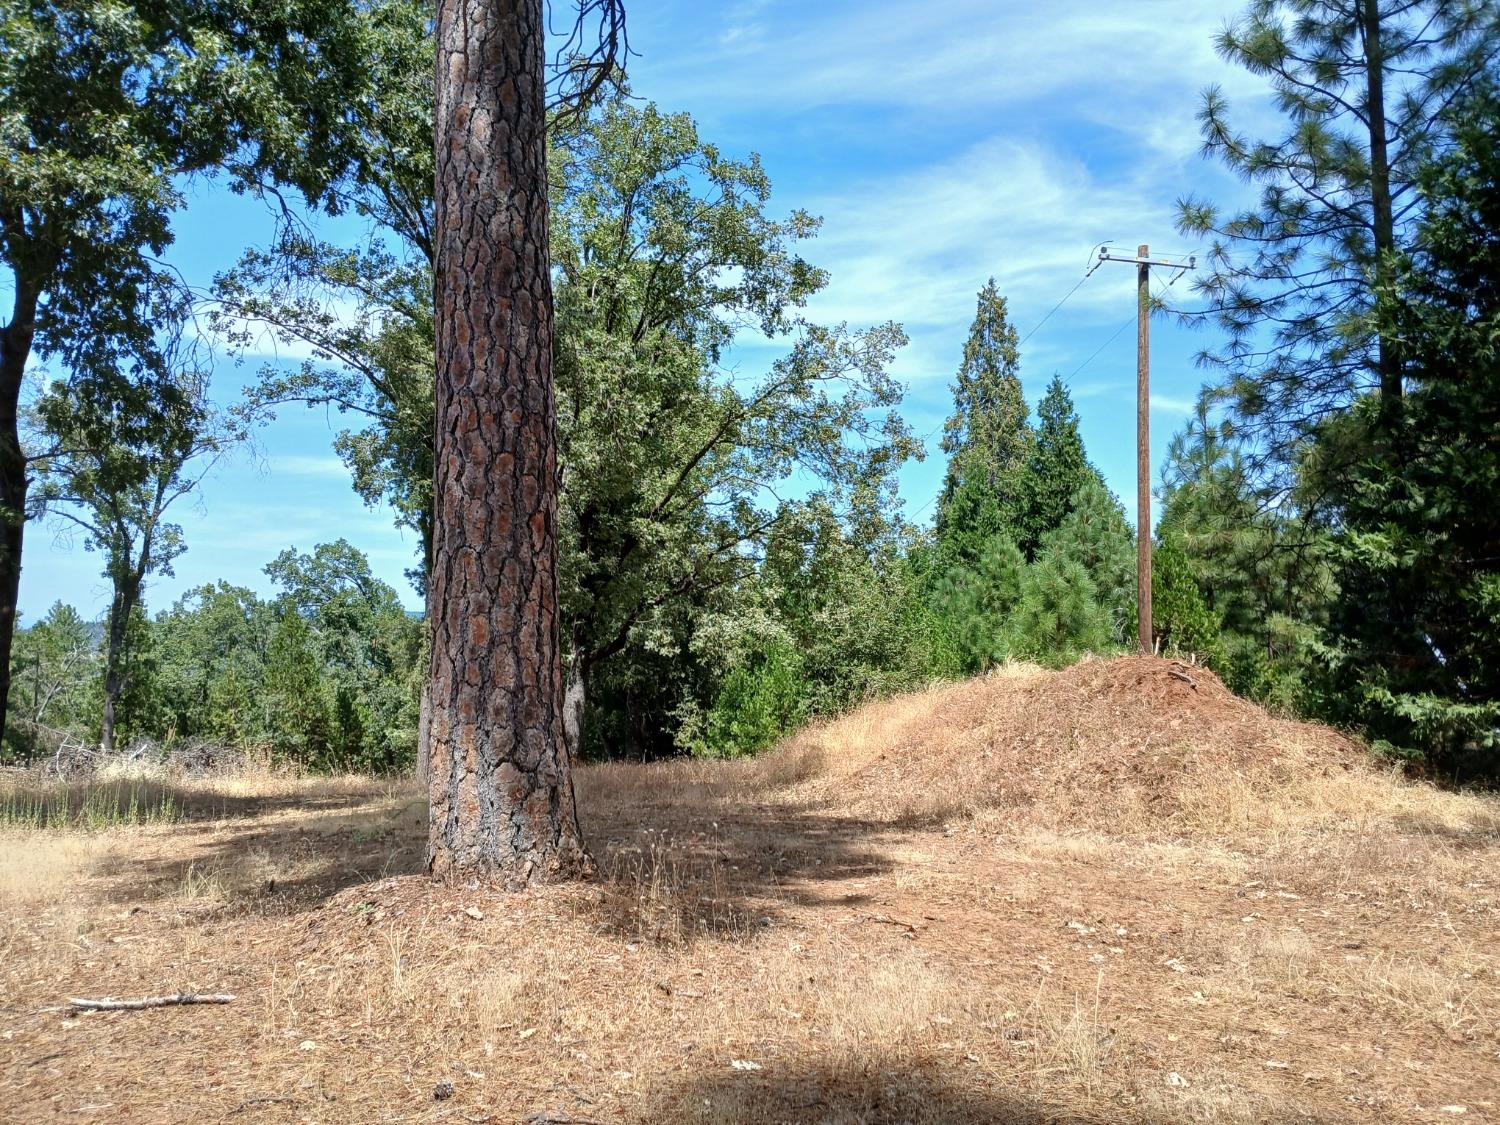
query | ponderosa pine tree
[972, 606]
[501, 789]
[988, 439]
[1415, 631]
[1294, 278]
[1059, 616]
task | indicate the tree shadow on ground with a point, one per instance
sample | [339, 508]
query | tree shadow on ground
[1481, 833]
[900, 1091]
[676, 859]
[850, 1093]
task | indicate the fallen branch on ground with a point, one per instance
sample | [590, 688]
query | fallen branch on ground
[108, 1005]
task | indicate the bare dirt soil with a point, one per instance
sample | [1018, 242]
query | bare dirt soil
[1111, 894]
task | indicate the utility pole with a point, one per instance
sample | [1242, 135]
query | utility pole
[1143, 262]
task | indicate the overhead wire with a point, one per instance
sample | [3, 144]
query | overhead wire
[1077, 370]
[1036, 327]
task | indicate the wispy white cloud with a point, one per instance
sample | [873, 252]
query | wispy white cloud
[1172, 404]
[327, 467]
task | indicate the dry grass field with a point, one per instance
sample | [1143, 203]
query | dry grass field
[1110, 894]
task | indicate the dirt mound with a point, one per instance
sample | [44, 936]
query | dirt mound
[1136, 739]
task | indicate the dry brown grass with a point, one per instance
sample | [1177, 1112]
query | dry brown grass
[1036, 897]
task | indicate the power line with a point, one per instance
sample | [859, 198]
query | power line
[1077, 286]
[1099, 351]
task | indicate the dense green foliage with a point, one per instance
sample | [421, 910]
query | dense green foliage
[325, 675]
[734, 557]
[1414, 630]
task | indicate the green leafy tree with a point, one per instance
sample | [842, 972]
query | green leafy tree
[211, 656]
[1058, 467]
[368, 650]
[54, 681]
[1295, 277]
[1415, 629]
[113, 471]
[987, 439]
[670, 464]
[758, 702]
[107, 110]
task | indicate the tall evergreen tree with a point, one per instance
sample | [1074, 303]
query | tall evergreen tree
[988, 439]
[1057, 468]
[972, 606]
[1415, 631]
[1262, 569]
[1294, 277]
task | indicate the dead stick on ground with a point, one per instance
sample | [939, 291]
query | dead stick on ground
[108, 1005]
[891, 921]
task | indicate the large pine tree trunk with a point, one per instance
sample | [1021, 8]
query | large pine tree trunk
[501, 790]
[15, 349]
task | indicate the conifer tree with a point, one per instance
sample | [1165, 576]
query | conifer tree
[1415, 630]
[973, 605]
[1058, 617]
[295, 695]
[987, 439]
[1293, 279]
[1095, 535]
[1263, 570]
[1184, 624]
[1057, 468]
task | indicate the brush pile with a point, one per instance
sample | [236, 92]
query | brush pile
[1137, 739]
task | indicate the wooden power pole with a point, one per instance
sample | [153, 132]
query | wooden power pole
[1143, 263]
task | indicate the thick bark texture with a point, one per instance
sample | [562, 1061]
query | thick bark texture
[15, 349]
[501, 791]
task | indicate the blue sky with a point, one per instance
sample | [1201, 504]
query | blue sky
[942, 143]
